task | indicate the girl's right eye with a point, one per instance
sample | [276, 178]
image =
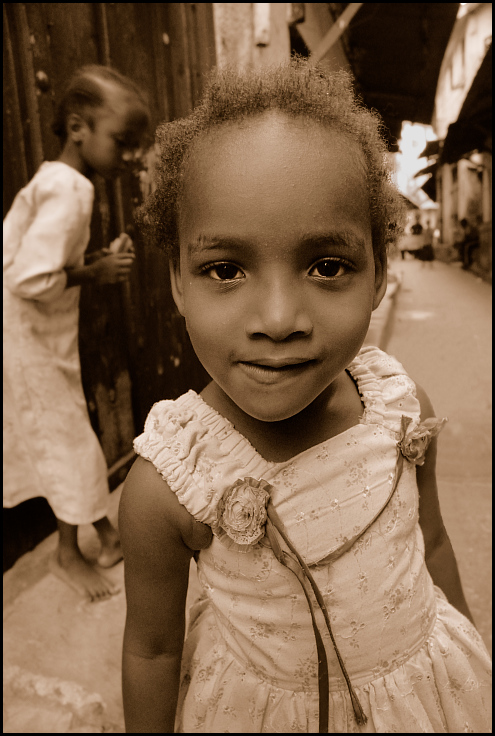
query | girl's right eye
[224, 272]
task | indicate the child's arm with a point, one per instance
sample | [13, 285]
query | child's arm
[122, 244]
[155, 533]
[439, 554]
[106, 266]
[110, 269]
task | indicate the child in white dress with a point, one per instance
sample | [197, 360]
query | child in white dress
[302, 479]
[50, 448]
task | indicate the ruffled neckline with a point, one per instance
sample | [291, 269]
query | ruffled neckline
[368, 387]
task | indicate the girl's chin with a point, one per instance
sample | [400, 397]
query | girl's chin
[273, 411]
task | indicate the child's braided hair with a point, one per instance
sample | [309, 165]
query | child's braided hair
[298, 89]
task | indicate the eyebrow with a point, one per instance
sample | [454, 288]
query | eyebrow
[309, 241]
[342, 238]
[205, 243]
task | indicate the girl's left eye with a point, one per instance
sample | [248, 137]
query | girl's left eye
[329, 268]
[224, 272]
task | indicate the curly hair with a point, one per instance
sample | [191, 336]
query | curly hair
[85, 93]
[298, 89]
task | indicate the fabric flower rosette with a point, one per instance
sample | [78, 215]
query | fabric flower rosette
[414, 444]
[242, 511]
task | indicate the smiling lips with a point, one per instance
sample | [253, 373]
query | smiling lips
[271, 371]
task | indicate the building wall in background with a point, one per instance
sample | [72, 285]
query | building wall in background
[465, 188]
[251, 34]
[463, 56]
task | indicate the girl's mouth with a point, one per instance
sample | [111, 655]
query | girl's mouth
[268, 374]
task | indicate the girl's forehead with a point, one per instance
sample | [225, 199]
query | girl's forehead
[122, 103]
[273, 136]
[273, 175]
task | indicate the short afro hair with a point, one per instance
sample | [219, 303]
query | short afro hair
[85, 93]
[297, 88]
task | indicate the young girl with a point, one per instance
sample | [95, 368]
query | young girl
[50, 448]
[331, 597]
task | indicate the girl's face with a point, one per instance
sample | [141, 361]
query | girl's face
[113, 141]
[277, 279]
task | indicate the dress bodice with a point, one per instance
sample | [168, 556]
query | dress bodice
[375, 592]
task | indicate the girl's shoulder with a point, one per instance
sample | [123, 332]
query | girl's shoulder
[56, 176]
[197, 452]
[55, 180]
[387, 390]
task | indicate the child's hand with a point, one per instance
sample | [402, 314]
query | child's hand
[115, 268]
[96, 255]
[122, 244]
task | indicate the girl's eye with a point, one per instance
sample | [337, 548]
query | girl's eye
[224, 272]
[329, 268]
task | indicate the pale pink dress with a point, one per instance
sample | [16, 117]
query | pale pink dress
[249, 661]
[50, 448]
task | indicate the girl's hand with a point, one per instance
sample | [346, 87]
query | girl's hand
[113, 268]
[96, 255]
[122, 244]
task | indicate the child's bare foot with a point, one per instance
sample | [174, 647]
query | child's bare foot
[76, 572]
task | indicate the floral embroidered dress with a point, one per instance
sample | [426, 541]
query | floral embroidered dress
[250, 660]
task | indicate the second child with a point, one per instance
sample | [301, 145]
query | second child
[50, 448]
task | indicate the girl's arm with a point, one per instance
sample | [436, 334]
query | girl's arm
[153, 527]
[439, 555]
[109, 269]
[113, 270]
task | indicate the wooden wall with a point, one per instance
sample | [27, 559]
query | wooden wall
[133, 344]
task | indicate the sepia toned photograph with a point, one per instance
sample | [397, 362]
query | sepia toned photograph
[247, 350]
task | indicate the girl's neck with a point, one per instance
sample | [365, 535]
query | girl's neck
[70, 156]
[337, 409]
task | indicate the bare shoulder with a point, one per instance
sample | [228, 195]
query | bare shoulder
[148, 504]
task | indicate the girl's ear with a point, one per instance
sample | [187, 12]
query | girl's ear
[76, 128]
[176, 284]
[380, 278]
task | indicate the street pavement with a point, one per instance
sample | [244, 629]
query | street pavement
[62, 655]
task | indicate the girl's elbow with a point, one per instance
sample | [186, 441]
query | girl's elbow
[44, 289]
[167, 652]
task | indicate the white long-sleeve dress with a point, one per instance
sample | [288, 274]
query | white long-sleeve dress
[50, 448]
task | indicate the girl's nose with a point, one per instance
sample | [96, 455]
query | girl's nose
[279, 313]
